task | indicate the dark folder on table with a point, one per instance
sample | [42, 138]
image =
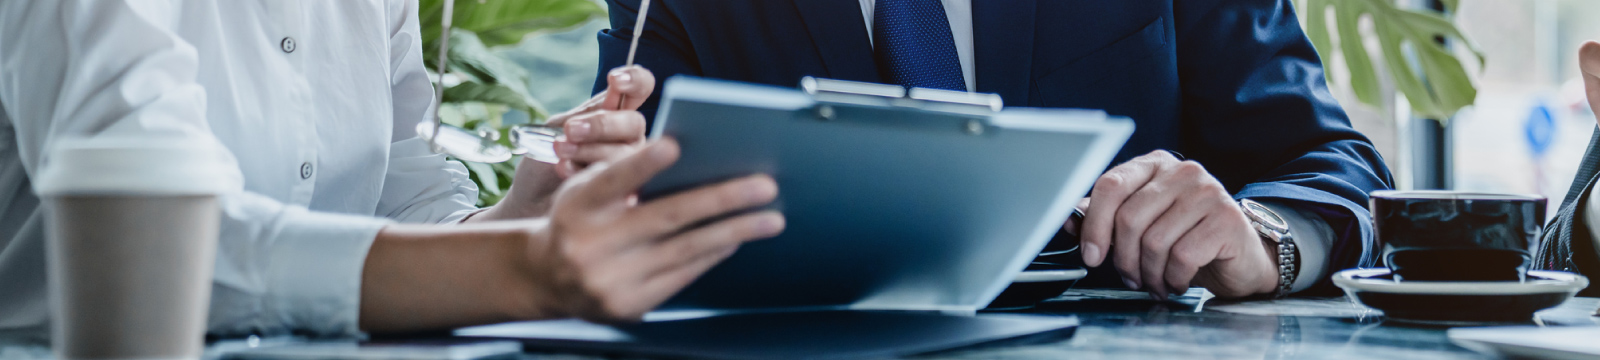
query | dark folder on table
[907, 212]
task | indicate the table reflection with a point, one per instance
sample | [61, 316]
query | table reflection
[1130, 325]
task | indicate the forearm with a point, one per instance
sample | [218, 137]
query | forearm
[511, 208]
[436, 277]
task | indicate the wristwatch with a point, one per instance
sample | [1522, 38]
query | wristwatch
[1274, 231]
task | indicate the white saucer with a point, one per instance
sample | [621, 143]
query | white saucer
[1050, 275]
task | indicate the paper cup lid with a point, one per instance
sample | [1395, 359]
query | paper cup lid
[154, 165]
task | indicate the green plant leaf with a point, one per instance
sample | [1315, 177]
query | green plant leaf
[476, 64]
[490, 83]
[505, 22]
[1363, 75]
[486, 176]
[1409, 42]
[1316, 23]
[488, 93]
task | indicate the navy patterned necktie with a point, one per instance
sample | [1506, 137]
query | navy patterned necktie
[913, 45]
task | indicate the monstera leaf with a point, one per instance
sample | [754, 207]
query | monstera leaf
[1409, 41]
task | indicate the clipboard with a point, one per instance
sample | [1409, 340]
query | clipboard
[895, 199]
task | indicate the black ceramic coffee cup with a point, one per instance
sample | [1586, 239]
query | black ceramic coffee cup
[1456, 236]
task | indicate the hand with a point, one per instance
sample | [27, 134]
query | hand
[606, 259]
[1589, 62]
[1170, 223]
[601, 257]
[595, 131]
[608, 124]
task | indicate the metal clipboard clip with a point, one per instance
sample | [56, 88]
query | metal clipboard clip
[833, 96]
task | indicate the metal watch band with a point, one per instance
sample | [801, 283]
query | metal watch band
[1273, 230]
[1288, 266]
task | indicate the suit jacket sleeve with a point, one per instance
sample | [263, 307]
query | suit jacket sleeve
[1567, 243]
[1259, 115]
[664, 42]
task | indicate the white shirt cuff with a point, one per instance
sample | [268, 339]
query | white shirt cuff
[1313, 236]
[314, 270]
[1591, 217]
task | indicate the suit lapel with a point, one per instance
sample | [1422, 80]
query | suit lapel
[1002, 37]
[840, 36]
[1586, 170]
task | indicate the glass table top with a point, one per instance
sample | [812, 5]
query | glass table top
[1129, 325]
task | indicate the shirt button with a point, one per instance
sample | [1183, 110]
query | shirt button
[305, 170]
[287, 44]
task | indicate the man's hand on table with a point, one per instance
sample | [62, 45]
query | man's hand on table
[1170, 224]
[605, 126]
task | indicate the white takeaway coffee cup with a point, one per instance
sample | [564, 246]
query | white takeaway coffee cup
[131, 228]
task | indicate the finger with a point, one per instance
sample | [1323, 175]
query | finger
[605, 126]
[1109, 192]
[566, 169]
[609, 183]
[588, 106]
[1589, 58]
[1184, 192]
[658, 289]
[667, 255]
[1074, 224]
[1165, 232]
[1198, 247]
[674, 278]
[674, 213]
[1136, 214]
[583, 155]
[1589, 61]
[628, 87]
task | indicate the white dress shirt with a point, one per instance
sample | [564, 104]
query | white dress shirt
[1311, 233]
[315, 99]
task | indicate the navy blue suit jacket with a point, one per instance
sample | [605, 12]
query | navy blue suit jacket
[1232, 84]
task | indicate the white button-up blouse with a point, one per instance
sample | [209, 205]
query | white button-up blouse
[316, 100]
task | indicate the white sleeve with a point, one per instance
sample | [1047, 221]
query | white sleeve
[420, 186]
[87, 69]
[90, 68]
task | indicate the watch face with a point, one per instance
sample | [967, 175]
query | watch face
[1260, 213]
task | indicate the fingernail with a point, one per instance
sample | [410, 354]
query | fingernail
[623, 77]
[577, 130]
[760, 191]
[565, 149]
[1091, 254]
[1130, 283]
[772, 225]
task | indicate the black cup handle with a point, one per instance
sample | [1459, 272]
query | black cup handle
[1064, 243]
